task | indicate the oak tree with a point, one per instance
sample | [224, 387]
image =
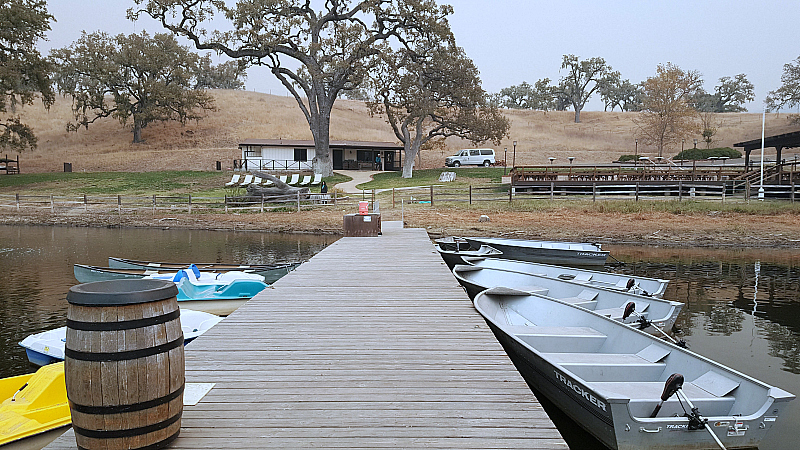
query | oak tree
[432, 92]
[24, 73]
[330, 50]
[788, 94]
[135, 78]
[539, 96]
[227, 75]
[667, 117]
[583, 78]
[729, 96]
[616, 92]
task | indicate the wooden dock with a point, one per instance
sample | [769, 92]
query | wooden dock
[370, 344]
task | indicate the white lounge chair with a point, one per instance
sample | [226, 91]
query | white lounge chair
[234, 180]
[247, 180]
[317, 179]
[294, 180]
[257, 180]
[306, 181]
[283, 178]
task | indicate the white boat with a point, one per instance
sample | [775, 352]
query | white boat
[452, 255]
[621, 385]
[270, 272]
[548, 252]
[48, 346]
[89, 274]
[652, 287]
[655, 311]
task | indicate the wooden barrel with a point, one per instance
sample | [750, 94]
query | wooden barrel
[124, 364]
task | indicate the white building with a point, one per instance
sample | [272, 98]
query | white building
[297, 155]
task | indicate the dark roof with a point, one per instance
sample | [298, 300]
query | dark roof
[787, 140]
[310, 144]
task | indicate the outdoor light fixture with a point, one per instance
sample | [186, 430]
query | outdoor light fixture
[571, 158]
[505, 160]
[552, 158]
[514, 157]
[636, 152]
[695, 143]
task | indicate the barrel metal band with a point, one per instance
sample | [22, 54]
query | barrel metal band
[153, 446]
[118, 409]
[123, 325]
[125, 355]
[112, 434]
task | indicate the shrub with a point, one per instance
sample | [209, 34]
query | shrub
[702, 153]
[626, 158]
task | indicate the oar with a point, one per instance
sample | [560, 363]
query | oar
[697, 419]
[630, 308]
[674, 382]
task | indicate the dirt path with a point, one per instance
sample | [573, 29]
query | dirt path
[661, 229]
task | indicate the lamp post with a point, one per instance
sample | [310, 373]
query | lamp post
[505, 160]
[636, 150]
[514, 156]
[683, 141]
[695, 144]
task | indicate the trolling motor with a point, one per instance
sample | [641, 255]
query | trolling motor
[674, 385]
[630, 308]
[632, 283]
[674, 382]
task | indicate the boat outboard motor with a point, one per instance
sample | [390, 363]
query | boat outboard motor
[674, 382]
[632, 284]
[630, 308]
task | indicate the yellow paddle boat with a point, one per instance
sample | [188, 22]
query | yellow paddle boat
[34, 408]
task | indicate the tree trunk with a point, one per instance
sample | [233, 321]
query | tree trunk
[320, 124]
[411, 151]
[137, 131]
[577, 114]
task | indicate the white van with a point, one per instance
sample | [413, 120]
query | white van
[475, 156]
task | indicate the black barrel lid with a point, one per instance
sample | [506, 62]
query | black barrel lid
[121, 292]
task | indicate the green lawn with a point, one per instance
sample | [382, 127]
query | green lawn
[484, 176]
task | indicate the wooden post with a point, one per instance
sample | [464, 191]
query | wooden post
[226, 203]
[16, 197]
[552, 190]
[190, 203]
[694, 169]
[119, 204]
[392, 198]
[298, 201]
[594, 192]
[52, 203]
[154, 204]
[334, 198]
[792, 191]
[373, 197]
[470, 194]
[680, 191]
[431, 188]
[637, 191]
[747, 191]
[262, 202]
[85, 203]
[510, 189]
[723, 192]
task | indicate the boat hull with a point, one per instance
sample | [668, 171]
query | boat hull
[271, 273]
[454, 257]
[219, 307]
[574, 399]
[518, 250]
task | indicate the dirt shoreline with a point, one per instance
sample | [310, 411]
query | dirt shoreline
[713, 230]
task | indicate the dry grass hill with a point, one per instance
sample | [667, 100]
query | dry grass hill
[106, 145]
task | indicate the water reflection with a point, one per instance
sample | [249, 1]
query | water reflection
[36, 268]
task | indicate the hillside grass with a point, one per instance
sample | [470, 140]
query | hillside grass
[106, 146]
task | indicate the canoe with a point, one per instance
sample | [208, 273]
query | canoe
[34, 408]
[212, 298]
[47, 347]
[271, 272]
[548, 252]
[653, 287]
[88, 274]
[454, 256]
[661, 313]
[610, 378]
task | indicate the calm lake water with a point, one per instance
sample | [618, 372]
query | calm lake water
[742, 306]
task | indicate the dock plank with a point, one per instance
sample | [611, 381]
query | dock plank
[370, 344]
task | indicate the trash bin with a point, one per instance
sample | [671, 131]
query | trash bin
[219, 165]
[124, 363]
[67, 167]
[363, 208]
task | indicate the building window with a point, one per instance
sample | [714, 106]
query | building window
[251, 152]
[301, 154]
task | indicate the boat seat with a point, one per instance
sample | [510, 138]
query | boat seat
[584, 296]
[609, 366]
[552, 339]
[583, 277]
[646, 395]
[533, 289]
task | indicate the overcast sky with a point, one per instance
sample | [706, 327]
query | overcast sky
[522, 40]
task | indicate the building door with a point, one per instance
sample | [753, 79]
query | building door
[388, 163]
[338, 157]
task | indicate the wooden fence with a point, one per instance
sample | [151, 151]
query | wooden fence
[433, 195]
